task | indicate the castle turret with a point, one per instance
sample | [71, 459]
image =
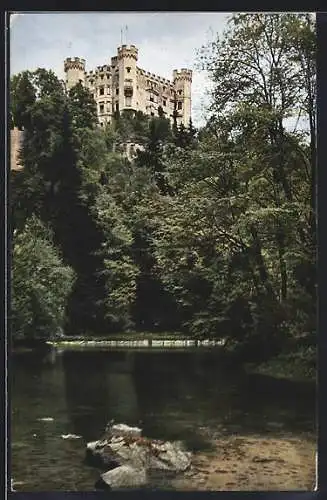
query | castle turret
[75, 71]
[182, 81]
[127, 59]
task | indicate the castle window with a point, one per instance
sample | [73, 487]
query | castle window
[151, 98]
[101, 91]
[163, 88]
[164, 102]
[117, 91]
[101, 124]
[101, 76]
[179, 106]
[108, 75]
[101, 108]
[152, 114]
[128, 69]
[117, 106]
[92, 95]
[180, 92]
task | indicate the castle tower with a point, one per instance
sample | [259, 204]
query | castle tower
[75, 71]
[182, 81]
[126, 96]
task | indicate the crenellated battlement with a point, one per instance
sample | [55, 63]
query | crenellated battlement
[120, 84]
[127, 51]
[74, 63]
[182, 74]
[154, 78]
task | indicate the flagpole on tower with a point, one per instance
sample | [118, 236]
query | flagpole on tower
[121, 37]
[126, 29]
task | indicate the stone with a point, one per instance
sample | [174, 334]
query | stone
[123, 430]
[136, 452]
[125, 476]
[95, 454]
[173, 457]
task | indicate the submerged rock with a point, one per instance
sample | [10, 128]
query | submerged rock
[124, 476]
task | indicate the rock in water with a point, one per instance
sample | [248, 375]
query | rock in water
[95, 455]
[46, 419]
[123, 430]
[125, 476]
[124, 447]
[169, 456]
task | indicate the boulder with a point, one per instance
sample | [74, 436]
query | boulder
[171, 457]
[129, 449]
[95, 455]
[123, 430]
[125, 476]
[140, 453]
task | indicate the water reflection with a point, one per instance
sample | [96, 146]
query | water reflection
[171, 394]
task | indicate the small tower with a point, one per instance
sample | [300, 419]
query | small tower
[127, 59]
[182, 81]
[75, 71]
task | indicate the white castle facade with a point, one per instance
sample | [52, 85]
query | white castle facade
[122, 85]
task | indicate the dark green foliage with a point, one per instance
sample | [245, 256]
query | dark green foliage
[211, 232]
[40, 284]
[82, 107]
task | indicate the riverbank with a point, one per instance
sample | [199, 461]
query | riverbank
[136, 341]
[300, 365]
[252, 463]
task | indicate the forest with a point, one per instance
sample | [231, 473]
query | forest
[209, 232]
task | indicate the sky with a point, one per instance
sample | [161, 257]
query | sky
[166, 41]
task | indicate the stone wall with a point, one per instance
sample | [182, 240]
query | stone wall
[16, 138]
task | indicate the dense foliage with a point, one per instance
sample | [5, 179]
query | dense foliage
[40, 284]
[211, 232]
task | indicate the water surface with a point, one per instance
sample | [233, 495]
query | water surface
[170, 394]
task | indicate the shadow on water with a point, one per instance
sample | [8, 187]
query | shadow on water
[188, 395]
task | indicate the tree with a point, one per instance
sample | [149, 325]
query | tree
[268, 61]
[152, 156]
[59, 182]
[118, 272]
[41, 284]
[22, 97]
[82, 107]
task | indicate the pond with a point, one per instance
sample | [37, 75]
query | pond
[170, 394]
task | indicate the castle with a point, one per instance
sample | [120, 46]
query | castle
[122, 85]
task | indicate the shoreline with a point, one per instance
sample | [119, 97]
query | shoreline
[253, 463]
[143, 343]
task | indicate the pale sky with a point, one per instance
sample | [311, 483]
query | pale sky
[166, 41]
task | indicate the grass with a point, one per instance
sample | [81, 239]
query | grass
[297, 365]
